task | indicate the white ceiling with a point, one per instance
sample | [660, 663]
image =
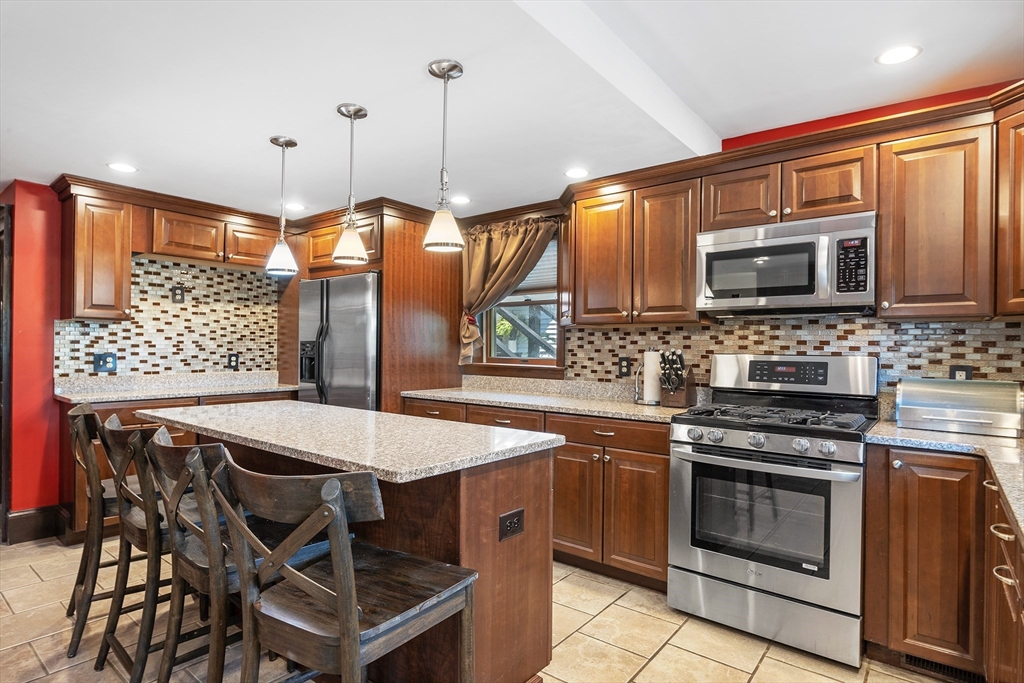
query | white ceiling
[190, 92]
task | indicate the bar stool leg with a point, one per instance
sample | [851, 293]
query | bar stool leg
[250, 646]
[218, 638]
[124, 555]
[146, 621]
[85, 584]
[467, 641]
[174, 617]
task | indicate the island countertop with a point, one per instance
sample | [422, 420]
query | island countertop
[397, 448]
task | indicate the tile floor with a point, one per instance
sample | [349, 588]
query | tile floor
[604, 631]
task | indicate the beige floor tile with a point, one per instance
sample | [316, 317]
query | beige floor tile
[19, 664]
[651, 603]
[674, 665]
[825, 667]
[774, 671]
[39, 594]
[733, 648]
[584, 594]
[559, 571]
[875, 676]
[51, 568]
[38, 551]
[548, 678]
[5, 609]
[896, 672]
[565, 621]
[136, 574]
[269, 671]
[26, 626]
[52, 650]
[84, 673]
[601, 578]
[15, 577]
[633, 631]
[582, 659]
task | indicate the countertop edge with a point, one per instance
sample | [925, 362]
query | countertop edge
[157, 394]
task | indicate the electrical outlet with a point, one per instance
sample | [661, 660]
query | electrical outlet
[961, 371]
[510, 524]
[104, 362]
[625, 366]
[178, 294]
[232, 361]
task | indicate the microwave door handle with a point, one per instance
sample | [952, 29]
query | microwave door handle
[824, 265]
[805, 473]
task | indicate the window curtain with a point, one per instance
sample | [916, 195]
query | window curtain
[496, 260]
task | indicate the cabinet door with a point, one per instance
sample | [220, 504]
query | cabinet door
[738, 198]
[1010, 247]
[636, 512]
[829, 184]
[178, 234]
[935, 226]
[247, 245]
[936, 558]
[604, 259]
[578, 484]
[665, 225]
[322, 242]
[565, 270]
[102, 253]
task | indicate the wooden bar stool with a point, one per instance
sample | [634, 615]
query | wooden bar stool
[347, 610]
[102, 502]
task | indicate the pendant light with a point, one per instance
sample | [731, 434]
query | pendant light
[281, 261]
[444, 233]
[350, 249]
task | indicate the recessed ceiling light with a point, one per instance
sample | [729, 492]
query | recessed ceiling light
[294, 206]
[460, 199]
[123, 168]
[898, 54]
[577, 173]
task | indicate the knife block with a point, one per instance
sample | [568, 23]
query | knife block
[683, 397]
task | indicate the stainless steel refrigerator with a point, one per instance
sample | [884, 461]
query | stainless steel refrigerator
[339, 341]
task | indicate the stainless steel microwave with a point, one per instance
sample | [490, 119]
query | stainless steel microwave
[811, 267]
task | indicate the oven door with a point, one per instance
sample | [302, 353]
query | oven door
[769, 524]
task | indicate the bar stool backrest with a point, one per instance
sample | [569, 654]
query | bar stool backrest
[85, 426]
[314, 503]
[125, 447]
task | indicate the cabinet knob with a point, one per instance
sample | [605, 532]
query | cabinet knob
[773, 213]
[127, 311]
[230, 256]
[885, 305]
[896, 464]
[625, 314]
[635, 314]
[607, 458]
[597, 456]
[787, 211]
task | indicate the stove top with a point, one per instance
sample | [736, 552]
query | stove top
[756, 416]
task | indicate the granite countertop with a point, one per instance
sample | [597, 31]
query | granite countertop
[397, 448]
[1005, 456]
[146, 393]
[550, 403]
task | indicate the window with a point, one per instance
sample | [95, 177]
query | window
[523, 328]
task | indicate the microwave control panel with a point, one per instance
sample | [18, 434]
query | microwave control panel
[852, 265]
[799, 372]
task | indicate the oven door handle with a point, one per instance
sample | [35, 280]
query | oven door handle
[805, 473]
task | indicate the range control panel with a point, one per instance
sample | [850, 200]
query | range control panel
[852, 265]
[790, 372]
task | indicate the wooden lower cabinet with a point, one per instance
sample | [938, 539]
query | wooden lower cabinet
[441, 410]
[579, 500]
[512, 418]
[1004, 630]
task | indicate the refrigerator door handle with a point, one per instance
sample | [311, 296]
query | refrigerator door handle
[319, 361]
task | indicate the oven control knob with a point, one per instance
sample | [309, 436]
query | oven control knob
[827, 448]
[801, 445]
[715, 435]
[756, 440]
[695, 433]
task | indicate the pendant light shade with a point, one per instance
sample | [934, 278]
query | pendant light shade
[281, 261]
[350, 250]
[444, 233]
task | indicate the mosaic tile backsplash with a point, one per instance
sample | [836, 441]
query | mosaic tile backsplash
[903, 349]
[225, 311]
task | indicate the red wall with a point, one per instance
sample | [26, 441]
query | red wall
[35, 415]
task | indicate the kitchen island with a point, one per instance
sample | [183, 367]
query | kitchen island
[444, 487]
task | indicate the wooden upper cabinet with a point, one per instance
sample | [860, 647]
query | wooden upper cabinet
[935, 226]
[604, 259]
[578, 500]
[1010, 221]
[738, 198]
[636, 512]
[666, 220]
[829, 184]
[178, 234]
[936, 557]
[246, 245]
[98, 253]
[322, 242]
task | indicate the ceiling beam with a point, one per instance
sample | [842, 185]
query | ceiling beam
[583, 32]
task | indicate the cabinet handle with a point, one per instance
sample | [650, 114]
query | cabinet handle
[990, 484]
[885, 305]
[1008, 580]
[607, 458]
[597, 456]
[787, 211]
[433, 412]
[896, 464]
[604, 433]
[625, 314]
[1008, 537]
[503, 422]
[773, 213]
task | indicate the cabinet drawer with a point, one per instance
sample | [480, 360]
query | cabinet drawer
[126, 411]
[505, 417]
[601, 431]
[248, 398]
[440, 410]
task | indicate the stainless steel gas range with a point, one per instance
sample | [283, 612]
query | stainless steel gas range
[767, 496]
